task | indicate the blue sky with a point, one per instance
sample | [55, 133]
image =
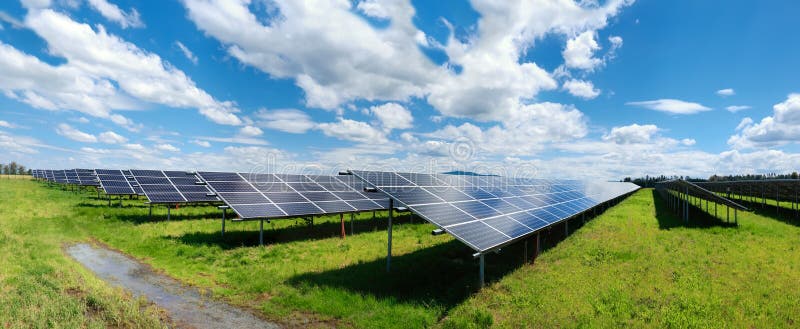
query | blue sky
[589, 89]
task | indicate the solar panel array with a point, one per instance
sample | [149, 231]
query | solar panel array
[683, 186]
[114, 182]
[254, 196]
[489, 212]
[171, 187]
[86, 177]
[787, 190]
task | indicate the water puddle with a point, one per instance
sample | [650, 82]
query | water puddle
[186, 306]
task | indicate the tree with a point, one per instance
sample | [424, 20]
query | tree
[21, 170]
[5, 169]
[12, 168]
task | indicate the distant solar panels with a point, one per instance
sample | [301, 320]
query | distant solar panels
[255, 196]
[489, 212]
[171, 187]
[86, 177]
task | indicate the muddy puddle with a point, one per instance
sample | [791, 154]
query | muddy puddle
[185, 305]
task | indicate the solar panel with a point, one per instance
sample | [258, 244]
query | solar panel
[488, 212]
[254, 196]
[170, 187]
[114, 182]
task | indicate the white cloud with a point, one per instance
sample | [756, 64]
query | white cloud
[579, 52]
[250, 131]
[286, 120]
[393, 116]
[201, 143]
[235, 140]
[783, 127]
[726, 92]
[114, 14]
[330, 32]
[688, 141]
[493, 82]
[186, 52]
[68, 131]
[352, 130]
[167, 148]
[674, 106]
[737, 108]
[110, 137]
[102, 73]
[631, 134]
[134, 147]
[529, 130]
[6, 124]
[11, 20]
[580, 88]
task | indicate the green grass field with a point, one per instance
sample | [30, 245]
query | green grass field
[636, 265]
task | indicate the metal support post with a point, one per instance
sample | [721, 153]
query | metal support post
[389, 238]
[352, 220]
[481, 271]
[261, 233]
[150, 211]
[341, 220]
[168, 215]
[224, 210]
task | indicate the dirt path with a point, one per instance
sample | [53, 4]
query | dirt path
[187, 307]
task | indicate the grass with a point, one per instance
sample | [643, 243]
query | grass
[636, 265]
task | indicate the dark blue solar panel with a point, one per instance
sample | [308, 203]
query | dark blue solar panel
[245, 198]
[232, 187]
[443, 214]
[478, 234]
[320, 196]
[264, 210]
[477, 209]
[220, 177]
[449, 194]
[508, 226]
[412, 195]
[529, 220]
[335, 206]
[300, 208]
[367, 205]
[165, 197]
[285, 197]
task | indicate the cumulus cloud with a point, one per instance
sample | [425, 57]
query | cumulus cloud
[737, 108]
[492, 81]
[167, 148]
[674, 106]
[335, 35]
[6, 124]
[579, 52]
[70, 132]
[581, 88]
[726, 92]
[113, 13]
[634, 133]
[393, 116]
[529, 130]
[110, 137]
[781, 128]
[250, 131]
[102, 73]
[201, 143]
[286, 120]
[351, 130]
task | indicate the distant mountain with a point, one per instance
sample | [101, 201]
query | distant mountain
[465, 173]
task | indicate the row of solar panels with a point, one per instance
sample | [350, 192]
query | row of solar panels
[483, 212]
[787, 190]
[251, 196]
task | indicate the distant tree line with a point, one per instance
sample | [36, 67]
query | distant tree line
[14, 168]
[648, 181]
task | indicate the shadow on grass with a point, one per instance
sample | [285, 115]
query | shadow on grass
[246, 233]
[785, 215]
[698, 218]
[440, 276]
